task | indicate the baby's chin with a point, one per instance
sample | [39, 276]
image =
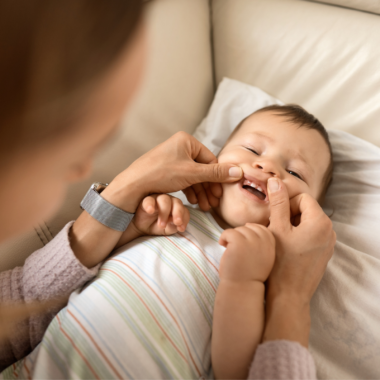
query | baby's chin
[233, 217]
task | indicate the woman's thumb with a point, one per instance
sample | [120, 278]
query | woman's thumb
[218, 173]
[279, 205]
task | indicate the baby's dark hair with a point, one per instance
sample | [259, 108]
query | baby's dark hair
[303, 119]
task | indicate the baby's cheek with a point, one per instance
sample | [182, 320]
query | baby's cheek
[296, 187]
[229, 157]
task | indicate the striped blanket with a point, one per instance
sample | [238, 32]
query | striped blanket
[147, 315]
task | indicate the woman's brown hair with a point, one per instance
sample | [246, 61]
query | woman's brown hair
[50, 51]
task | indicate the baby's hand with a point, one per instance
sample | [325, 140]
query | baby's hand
[249, 255]
[161, 214]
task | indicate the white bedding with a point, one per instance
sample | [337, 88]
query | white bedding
[146, 315]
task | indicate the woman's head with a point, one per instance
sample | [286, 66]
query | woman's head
[67, 71]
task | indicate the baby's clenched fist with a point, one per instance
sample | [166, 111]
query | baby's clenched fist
[161, 214]
[250, 253]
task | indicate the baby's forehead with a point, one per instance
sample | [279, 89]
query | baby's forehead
[274, 127]
[297, 140]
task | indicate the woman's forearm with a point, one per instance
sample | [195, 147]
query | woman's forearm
[287, 318]
[90, 240]
[237, 327]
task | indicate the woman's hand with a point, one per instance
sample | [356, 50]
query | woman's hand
[302, 254]
[176, 164]
[159, 215]
[179, 163]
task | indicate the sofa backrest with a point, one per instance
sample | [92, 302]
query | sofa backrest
[372, 6]
[323, 57]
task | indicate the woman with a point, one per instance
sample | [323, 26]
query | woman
[68, 70]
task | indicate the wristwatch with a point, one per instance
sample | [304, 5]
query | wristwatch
[103, 211]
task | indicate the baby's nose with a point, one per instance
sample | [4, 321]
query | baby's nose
[266, 166]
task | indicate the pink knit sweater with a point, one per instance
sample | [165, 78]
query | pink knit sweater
[54, 271]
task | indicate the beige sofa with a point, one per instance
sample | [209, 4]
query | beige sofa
[322, 55]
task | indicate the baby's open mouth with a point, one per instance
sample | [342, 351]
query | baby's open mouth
[254, 189]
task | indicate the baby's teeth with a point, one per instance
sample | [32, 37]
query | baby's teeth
[260, 189]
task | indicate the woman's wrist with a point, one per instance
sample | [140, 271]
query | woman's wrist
[125, 196]
[91, 241]
[287, 318]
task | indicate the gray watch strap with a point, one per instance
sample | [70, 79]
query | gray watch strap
[105, 212]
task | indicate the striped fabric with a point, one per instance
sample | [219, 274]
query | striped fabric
[147, 315]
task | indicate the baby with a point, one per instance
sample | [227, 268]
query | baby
[149, 312]
[285, 142]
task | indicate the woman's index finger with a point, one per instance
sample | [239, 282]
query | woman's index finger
[305, 205]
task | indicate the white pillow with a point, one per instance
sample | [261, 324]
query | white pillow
[345, 311]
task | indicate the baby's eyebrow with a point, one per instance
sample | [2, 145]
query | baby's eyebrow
[263, 135]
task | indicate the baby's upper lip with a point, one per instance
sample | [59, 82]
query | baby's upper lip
[257, 182]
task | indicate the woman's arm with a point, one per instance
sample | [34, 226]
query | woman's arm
[51, 273]
[287, 318]
[176, 164]
[282, 359]
[302, 254]
[62, 265]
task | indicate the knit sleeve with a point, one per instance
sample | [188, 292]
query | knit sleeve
[50, 272]
[282, 359]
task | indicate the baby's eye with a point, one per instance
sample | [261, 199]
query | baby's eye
[294, 173]
[253, 151]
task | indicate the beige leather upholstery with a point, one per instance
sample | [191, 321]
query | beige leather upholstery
[177, 92]
[363, 5]
[323, 57]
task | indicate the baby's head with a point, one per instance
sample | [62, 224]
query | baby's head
[276, 141]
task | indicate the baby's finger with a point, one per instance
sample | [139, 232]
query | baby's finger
[164, 205]
[186, 219]
[190, 195]
[227, 237]
[248, 233]
[177, 211]
[170, 228]
[149, 205]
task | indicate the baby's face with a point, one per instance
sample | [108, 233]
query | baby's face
[265, 146]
